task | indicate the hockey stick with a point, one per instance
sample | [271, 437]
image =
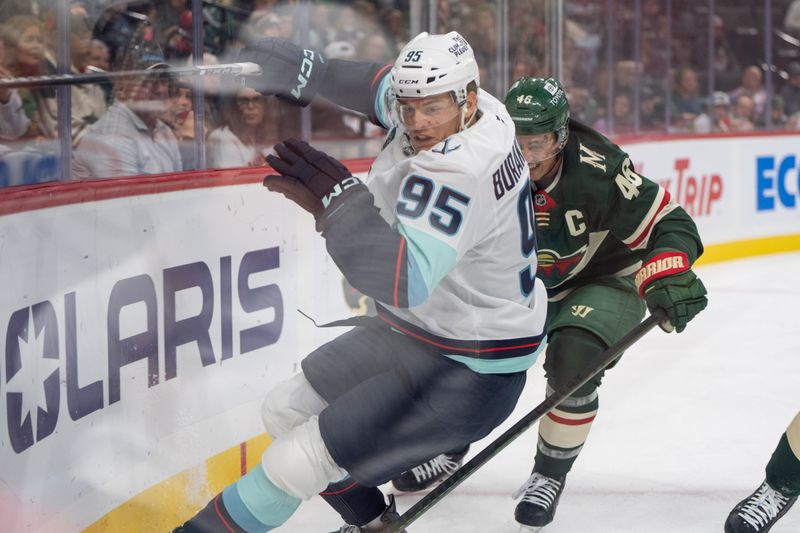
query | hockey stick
[225, 69]
[469, 468]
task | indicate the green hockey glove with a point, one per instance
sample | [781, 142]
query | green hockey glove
[666, 281]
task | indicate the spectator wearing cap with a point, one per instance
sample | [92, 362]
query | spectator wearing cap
[131, 139]
[718, 117]
[790, 92]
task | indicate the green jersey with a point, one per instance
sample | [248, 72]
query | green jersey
[599, 217]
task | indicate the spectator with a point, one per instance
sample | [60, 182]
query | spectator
[181, 120]
[348, 25]
[261, 25]
[13, 121]
[374, 47]
[131, 139]
[686, 100]
[100, 59]
[752, 85]
[252, 128]
[582, 106]
[321, 32]
[651, 105]
[88, 100]
[24, 42]
[743, 114]
[623, 118]
[791, 91]
[99, 55]
[780, 119]
[718, 118]
[393, 20]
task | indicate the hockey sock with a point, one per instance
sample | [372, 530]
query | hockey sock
[783, 469]
[358, 505]
[255, 504]
[563, 431]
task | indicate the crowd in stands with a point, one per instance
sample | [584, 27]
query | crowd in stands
[116, 129]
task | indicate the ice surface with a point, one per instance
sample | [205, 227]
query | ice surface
[686, 425]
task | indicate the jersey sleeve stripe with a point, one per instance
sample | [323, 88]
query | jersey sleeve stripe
[642, 233]
[397, 270]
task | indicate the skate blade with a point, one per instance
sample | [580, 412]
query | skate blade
[529, 529]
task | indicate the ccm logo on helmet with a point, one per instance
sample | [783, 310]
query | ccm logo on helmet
[305, 73]
[408, 82]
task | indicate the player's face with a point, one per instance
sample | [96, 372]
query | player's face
[540, 151]
[429, 120]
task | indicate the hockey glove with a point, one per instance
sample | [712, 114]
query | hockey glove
[312, 179]
[666, 281]
[292, 73]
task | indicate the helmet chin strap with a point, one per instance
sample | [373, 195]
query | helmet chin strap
[464, 123]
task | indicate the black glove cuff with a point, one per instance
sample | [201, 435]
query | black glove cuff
[292, 73]
[351, 201]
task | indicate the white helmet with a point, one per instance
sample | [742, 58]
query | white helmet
[435, 64]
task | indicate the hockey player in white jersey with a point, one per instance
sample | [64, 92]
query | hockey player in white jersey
[442, 237]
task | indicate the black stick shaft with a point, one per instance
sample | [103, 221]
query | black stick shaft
[229, 69]
[469, 468]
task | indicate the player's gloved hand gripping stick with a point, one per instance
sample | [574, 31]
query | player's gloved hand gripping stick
[665, 281]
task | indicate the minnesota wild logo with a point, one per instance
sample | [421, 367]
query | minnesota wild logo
[554, 268]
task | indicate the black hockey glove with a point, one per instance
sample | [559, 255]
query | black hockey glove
[312, 179]
[292, 73]
[667, 281]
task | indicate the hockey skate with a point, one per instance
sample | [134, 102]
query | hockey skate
[539, 499]
[430, 472]
[389, 517]
[758, 512]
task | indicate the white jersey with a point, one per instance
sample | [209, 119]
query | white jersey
[464, 208]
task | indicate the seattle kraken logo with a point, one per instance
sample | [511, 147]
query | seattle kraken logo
[446, 148]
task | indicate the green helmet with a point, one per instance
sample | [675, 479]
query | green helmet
[538, 105]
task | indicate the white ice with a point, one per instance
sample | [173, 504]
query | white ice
[687, 423]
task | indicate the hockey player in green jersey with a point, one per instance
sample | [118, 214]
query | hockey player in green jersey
[610, 242]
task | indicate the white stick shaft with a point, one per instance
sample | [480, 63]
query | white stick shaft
[225, 69]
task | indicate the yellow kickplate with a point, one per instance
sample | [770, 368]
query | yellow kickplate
[173, 501]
